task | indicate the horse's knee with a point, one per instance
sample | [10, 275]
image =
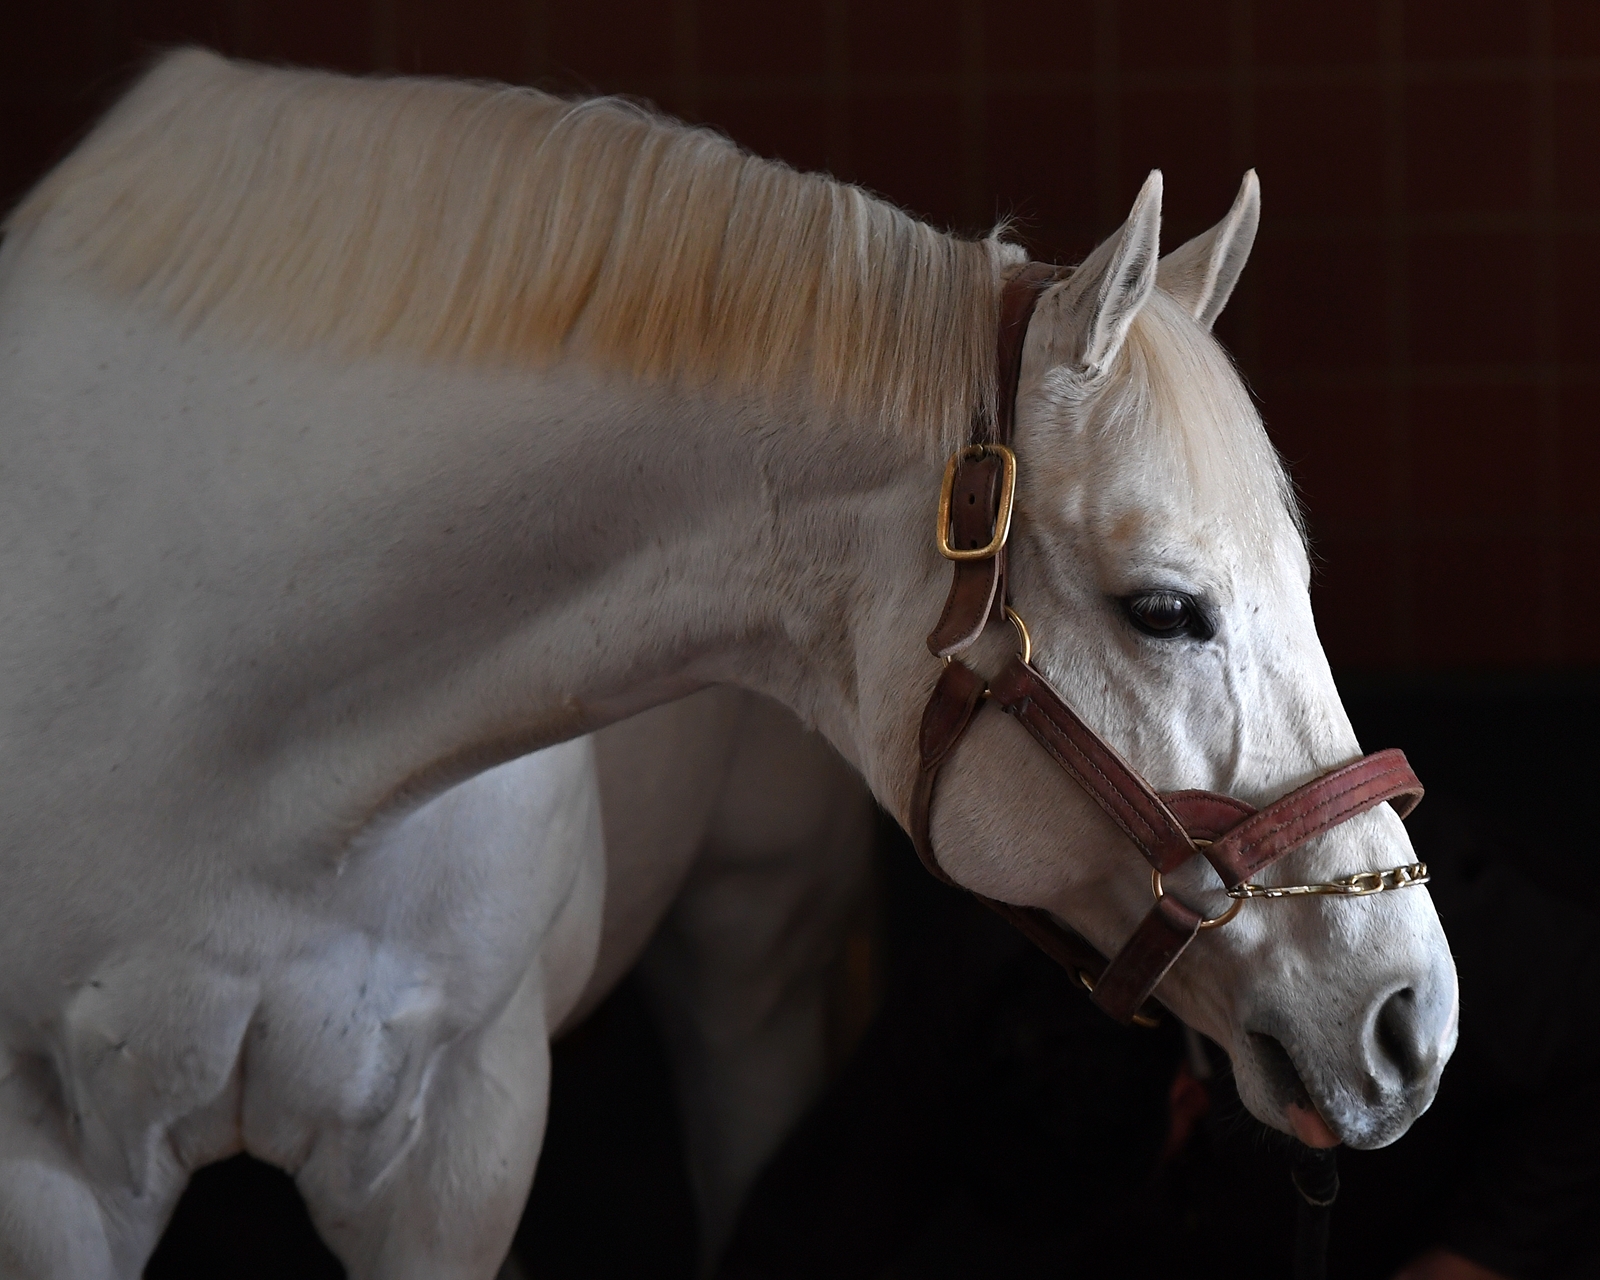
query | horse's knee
[449, 1205]
[50, 1224]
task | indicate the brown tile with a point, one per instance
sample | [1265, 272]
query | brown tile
[743, 40]
[1467, 147]
[1051, 241]
[1038, 164]
[1334, 441]
[888, 38]
[1324, 301]
[1056, 37]
[59, 43]
[39, 132]
[1471, 300]
[792, 129]
[1579, 454]
[154, 24]
[490, 40]
[1238, 326]
[1575, 28]
[1579, 622]
[1319, 151]
[312, 33]
[1469, 595]
[1577, 287]
[1467, 29]
[907, 149]
[607, 48]
[1352, 593]
[1470, 460]
[1186, 134]
[1157, 35]
[1577, 126]
[1298, 35]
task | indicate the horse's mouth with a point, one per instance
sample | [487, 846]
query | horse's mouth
[1289, 1088]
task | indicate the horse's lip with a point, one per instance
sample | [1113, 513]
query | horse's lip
[1310, 1126]
[1286, 1079]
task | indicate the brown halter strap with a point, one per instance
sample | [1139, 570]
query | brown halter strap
[1168, 830]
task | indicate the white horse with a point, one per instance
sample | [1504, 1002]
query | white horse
[360, 436]
[738, 845]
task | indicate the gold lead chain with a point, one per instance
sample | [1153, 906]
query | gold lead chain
[1356, 886]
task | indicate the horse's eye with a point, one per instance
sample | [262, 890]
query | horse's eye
[1166, 615]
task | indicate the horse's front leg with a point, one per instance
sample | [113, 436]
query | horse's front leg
[442, 1201]
[52, 1224]
[448, 1207]
[742, 971]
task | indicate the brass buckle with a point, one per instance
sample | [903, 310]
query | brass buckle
[1002, 520]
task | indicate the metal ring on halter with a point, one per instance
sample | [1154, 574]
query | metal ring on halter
[1212, 923]
[1022, 634]
[1026, 640]
[1087, 983]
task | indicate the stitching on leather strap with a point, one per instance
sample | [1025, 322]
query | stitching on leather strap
[1360, 782]
[1105, 804]
[1151, 847]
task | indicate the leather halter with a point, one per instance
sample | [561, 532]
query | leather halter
[1236, 839]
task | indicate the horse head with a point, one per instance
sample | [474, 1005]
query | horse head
[1156, 555]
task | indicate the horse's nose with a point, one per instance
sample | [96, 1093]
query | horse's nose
[1413, 1034]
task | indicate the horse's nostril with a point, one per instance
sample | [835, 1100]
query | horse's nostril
[1399, 1036]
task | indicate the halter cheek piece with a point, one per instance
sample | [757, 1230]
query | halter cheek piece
[1237, 840]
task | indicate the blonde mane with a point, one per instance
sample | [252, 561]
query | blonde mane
[480, 223]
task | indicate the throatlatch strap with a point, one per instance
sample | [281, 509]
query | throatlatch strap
[956, 699]
[951, 706]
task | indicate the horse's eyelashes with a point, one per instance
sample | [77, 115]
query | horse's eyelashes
[1166, 615]
[1162, 613]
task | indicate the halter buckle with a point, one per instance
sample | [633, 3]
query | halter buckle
[1002, 519]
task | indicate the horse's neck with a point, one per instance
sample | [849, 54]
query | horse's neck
[440, 569]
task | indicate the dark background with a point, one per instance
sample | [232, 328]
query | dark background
[1418, 318]
[1417, 324]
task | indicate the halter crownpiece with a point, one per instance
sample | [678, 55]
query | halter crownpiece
[1239, 841]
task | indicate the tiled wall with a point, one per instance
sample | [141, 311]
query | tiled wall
[1419, 320]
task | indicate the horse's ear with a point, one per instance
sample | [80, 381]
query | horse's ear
[1201, 274]
[1098, 302]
